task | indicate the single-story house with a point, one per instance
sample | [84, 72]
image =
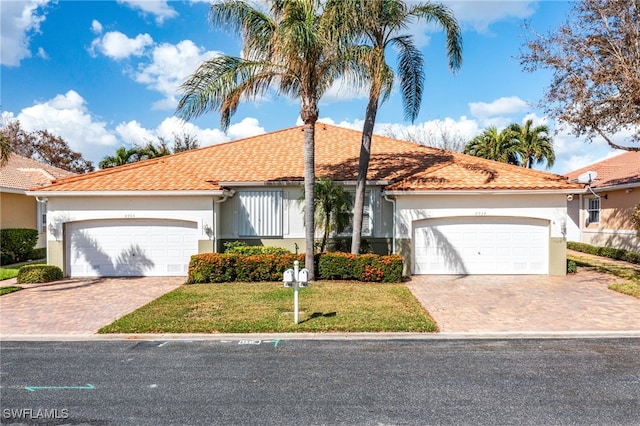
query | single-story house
[444, 212]
[600, 214]
[18, 210]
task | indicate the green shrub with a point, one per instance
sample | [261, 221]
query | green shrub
[39, 253]
[572, 268]
[610, 252]
[16, 245]
[241, 248]
[364, 267]
[38, 274]
[337, 266]
[265, 267]
[230, 267]
[212, 268]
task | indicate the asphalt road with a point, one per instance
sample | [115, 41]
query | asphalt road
[371, 382]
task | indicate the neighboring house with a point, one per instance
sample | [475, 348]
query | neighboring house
[18, 210]
[444, 212]
[601, 214]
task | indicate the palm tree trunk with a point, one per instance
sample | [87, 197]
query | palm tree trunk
[309, 206]
[325, 233]
[363, 168]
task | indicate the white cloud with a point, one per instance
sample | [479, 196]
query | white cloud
[19, 20]
[499, 107]
[67, 116]
[175, 126]
[134, 134]
[480, 15]
[171, 65]
[159, 8]
[96, 27]
[117, 45]
[42, 53]
[246, 128]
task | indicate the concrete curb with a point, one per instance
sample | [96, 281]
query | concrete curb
[634, 334]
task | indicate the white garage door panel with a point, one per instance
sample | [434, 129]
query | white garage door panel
[481, 245]
[131, 247]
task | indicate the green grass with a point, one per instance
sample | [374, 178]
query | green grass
[9, 289]
[11, 271]
[632, 284]
[268, 307]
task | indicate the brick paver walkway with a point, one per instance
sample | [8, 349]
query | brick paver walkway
[527, 303]
[77, 306]
[480, 303]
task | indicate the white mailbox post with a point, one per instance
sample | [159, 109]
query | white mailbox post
[296, 279]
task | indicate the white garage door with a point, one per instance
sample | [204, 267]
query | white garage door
[131, 247]
[481, 245]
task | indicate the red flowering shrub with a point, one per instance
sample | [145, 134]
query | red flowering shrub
[230, 267]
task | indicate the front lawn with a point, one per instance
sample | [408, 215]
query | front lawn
[631, 275]
[9, 289]
[268, 307]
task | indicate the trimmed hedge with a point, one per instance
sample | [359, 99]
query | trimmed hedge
[232, 267]
[17, 244]
[610, 252]
[363, 267]
[30, 274]
[241, 248]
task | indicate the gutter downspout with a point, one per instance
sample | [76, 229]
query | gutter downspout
[393, 231]
[224, 198]
[581, 217]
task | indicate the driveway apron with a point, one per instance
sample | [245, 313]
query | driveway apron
[77, 306]
[526, 303]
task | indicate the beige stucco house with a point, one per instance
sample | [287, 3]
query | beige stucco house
[600, 213]
[444, 212]
[18, 210]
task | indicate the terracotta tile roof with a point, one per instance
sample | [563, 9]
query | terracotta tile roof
[278, 156]
[622, 169]
[22, 173]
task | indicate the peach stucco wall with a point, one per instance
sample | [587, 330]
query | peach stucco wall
[18, 211]
[614, 228]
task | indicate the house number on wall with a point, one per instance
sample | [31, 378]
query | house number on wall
[129, 215]
[481, 213]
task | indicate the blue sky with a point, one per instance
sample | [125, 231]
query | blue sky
[103, 74]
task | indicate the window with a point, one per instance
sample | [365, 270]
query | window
[366, 215]
[260, 214]
[42, 216]
[594, 210]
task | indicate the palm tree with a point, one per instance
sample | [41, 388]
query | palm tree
[291, 48]
[493, 145]
[379, 25]
[333, 205]
[122, 156]
[535, 146]
[151, 150]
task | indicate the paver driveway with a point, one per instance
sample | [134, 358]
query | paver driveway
[527, 303]
[481, 303]
[77, 306]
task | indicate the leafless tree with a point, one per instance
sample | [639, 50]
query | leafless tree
[595, 60]
[45, 147]
[440, 137]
